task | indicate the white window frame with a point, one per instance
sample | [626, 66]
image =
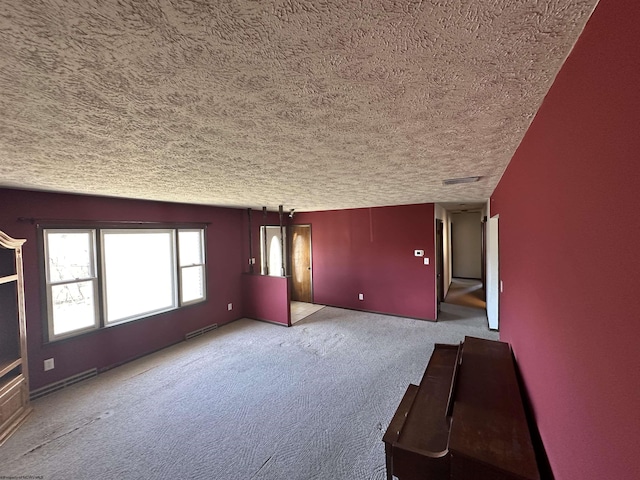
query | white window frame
[98, 279]
[202, 265]
[93, 278]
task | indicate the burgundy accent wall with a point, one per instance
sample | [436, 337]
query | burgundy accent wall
[124, 342]
[570, 254]
[266, 298]
[371, 251]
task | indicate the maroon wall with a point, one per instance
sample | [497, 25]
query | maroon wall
[266, 298]
[570, 258]
[120, 343]
[371, 251]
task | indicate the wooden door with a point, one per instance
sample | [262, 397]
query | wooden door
[301, 263]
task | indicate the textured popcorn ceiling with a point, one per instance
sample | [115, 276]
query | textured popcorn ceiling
[310, 104]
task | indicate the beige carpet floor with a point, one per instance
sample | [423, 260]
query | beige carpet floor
[248, 401]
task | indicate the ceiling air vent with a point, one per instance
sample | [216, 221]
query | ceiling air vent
[457, 181]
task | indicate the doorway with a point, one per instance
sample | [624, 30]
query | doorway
[301, 274]
[439, 261]
[466, 244]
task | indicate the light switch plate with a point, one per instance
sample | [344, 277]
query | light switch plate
[426, 260]
[418, 253]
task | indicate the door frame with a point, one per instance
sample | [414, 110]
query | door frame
[439, 262]
[290, 255]
[492, 287]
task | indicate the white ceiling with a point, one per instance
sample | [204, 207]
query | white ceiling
[314, 105]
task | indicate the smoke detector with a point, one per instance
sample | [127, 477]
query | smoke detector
[458, 181]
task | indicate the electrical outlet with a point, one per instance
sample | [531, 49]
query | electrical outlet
[361, 296]
[229, 306]
[49, 364]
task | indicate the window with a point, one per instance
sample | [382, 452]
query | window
[96, 278]
[271, 243]
[138, 273]
[72, 282]
[191, 243]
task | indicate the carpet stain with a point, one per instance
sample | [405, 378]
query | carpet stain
[137, 374]
[321, 345]
[266, 462]
[84, 424]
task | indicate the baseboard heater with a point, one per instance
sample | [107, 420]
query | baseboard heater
[201, 331]
[60, 384]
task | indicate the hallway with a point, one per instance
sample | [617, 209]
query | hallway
[464, 303]
[466, 292]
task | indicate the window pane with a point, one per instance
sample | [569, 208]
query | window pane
[271, 250]
[192, 283]
[70, 256]
[139, 273]
[275, 257]
[73, 306]
[190, 245]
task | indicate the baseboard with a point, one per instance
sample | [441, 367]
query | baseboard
[382, 313]
[60, 384]
[268, 321]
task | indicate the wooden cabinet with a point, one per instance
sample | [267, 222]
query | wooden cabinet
[465, 420]
[14, 381]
